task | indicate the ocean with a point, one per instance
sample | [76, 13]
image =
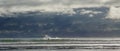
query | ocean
[60, 44]
[66, 50]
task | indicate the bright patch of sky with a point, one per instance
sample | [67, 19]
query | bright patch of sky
[114, 13]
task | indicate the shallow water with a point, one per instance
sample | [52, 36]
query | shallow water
[67, 50]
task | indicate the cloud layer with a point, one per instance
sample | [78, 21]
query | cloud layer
[53, 2]
[7, 6]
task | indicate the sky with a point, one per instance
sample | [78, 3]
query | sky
[6, 3]
[33, 3]
[66, 6]
[7, 6]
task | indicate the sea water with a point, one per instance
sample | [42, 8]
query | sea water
[66, 50]
[107, 40]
